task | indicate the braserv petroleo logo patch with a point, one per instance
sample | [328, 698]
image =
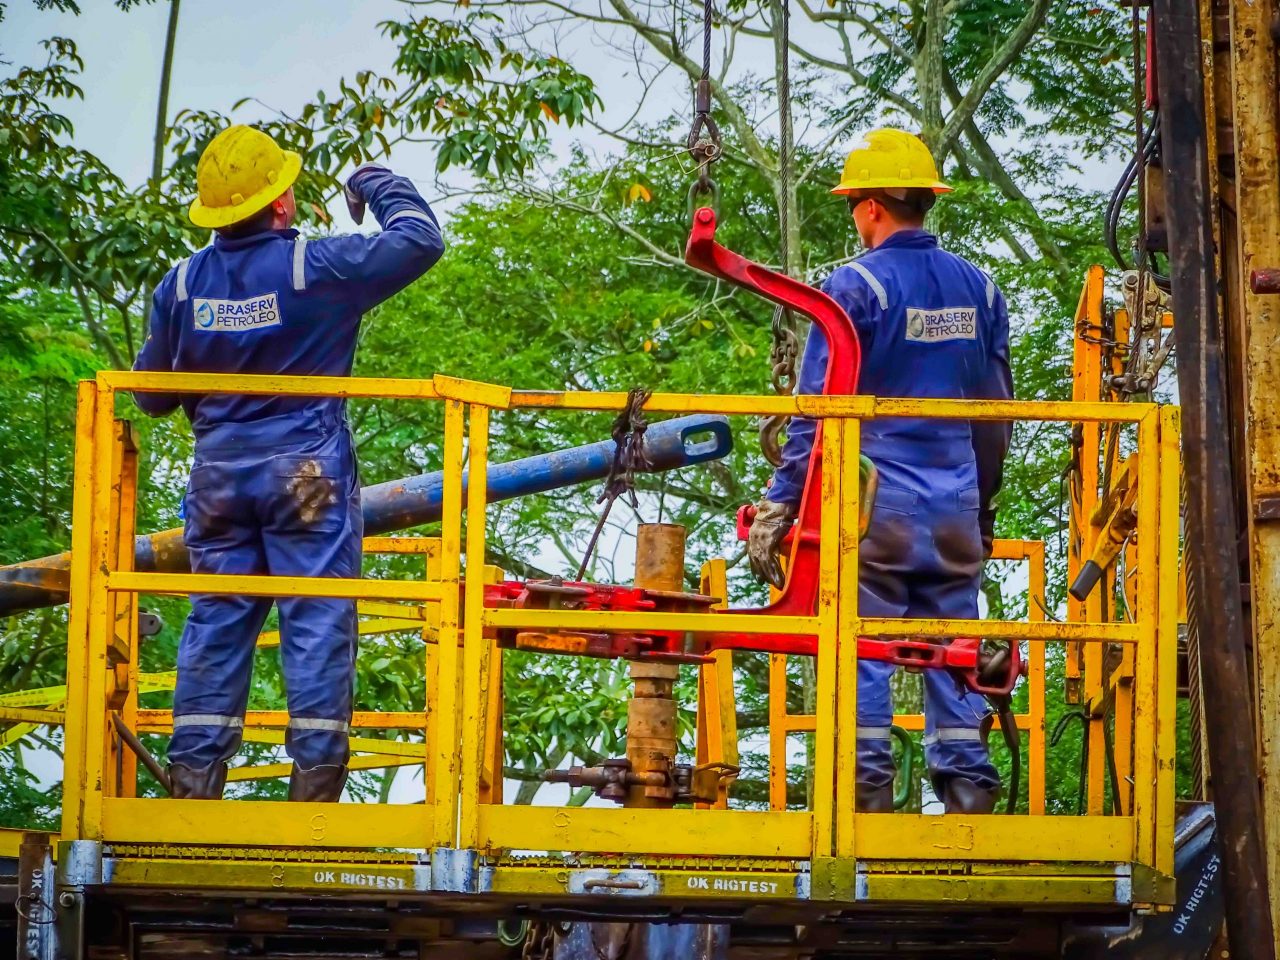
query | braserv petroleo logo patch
[936, 326]
[236, 316]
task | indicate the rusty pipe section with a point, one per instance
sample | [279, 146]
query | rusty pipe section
[651, 711]
[401, 504]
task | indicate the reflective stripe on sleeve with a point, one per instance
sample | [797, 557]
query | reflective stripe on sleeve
[300, 264]
[206, 720]
[953, 733]
[991, 293]
[877, 287]
[410, 214]
[315, 723]
[183, 265]
[873, 733]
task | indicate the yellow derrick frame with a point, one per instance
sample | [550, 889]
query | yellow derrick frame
[463, 750]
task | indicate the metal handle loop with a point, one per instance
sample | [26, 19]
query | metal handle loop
[704, 185]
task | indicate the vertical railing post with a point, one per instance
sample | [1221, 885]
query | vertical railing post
[444, 725]
[1036, 747]
[101, 620]
[75, 747]
[717, 738]
[122, 644]
[847, 614]
[827, 721]
[475, 648]
[1146, 714]
[1166, 669]
[778, 731]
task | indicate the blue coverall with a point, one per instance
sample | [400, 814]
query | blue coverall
[930, 324]
[274, 488]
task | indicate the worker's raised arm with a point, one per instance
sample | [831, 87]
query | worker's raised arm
[991, 438]
[156, 356]
[369, 269]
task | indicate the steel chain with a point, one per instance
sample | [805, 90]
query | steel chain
[785, 347]
[704, 140]
[539, 942]
[628, 457]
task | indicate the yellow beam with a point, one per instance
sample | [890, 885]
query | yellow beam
[43, 696]
[270, 771]
[32, 715]
[427, 546]
[270, 385]
[161, 721]
[365, 628]
[1013, 891]
[840, 406]
[264, 823]
[188, 583]
[389, 748]
[907, 836]
[655, 832]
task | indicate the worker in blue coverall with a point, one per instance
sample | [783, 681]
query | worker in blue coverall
[930, 324]
[274, 488]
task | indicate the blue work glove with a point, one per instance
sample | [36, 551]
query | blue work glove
[351, 191]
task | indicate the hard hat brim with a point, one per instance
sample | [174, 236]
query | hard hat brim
[844, 187]
[214, 218]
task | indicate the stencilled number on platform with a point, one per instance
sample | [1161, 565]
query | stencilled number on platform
[277, 874]
[318, 824]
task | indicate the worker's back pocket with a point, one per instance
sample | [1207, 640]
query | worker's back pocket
[310, 492]
[896, 500]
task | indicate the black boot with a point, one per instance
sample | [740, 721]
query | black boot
[872, 799]
[318, 785]
[964, 796]
[204, 783]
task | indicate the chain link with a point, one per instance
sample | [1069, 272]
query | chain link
[539, 941]
[704, 141]
[628, 457]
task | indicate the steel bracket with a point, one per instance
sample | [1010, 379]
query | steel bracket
[834, 878]
[455, 871]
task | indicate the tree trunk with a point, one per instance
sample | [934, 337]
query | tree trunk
[162, 102]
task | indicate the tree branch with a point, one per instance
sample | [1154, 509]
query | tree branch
[733, 114]
[96, 331]
[993, 70]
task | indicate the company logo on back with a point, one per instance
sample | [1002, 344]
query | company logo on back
[236, 316]
[938, 326]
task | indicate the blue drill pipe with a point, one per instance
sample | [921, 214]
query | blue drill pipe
[400, 504]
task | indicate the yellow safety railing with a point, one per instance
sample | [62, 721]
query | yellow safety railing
[462, 754]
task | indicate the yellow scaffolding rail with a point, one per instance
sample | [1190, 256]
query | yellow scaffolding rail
[1043, 858]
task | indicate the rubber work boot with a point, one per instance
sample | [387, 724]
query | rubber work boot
[318, 785]
[964, 796]
[872, 799]
[192, 783]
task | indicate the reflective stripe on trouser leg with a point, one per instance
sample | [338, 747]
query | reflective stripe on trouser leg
[953, 746]
[875, 714]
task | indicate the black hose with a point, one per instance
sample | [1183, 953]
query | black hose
[1003, 712]
[1115, 206]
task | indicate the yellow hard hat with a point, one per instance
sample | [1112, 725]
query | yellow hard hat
[888, 158]
[240, 172]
